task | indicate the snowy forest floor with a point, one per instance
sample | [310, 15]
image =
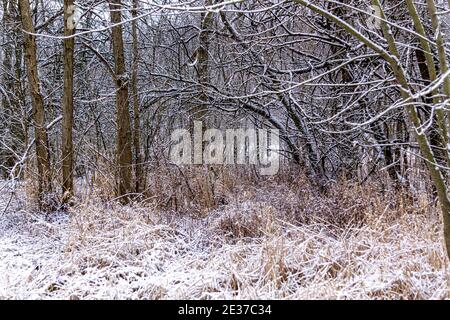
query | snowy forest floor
[273, 242]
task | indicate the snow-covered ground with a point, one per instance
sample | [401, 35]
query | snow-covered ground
[27, 247]
[102, 251]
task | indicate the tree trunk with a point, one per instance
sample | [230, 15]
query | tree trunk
[40, 133]
[138, 166]
[200, 111]
[11, 98]
[123, 152]
[6, 103]
[67, 122]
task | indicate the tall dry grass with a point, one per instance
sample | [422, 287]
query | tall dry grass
[200, 234]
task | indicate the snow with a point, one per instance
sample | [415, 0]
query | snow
[100, 251]
[27, 246]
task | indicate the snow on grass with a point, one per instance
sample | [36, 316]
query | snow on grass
[107, 251]
[27, 246]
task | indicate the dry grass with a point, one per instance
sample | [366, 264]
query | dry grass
[274, 240]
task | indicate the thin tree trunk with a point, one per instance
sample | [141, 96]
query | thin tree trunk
[443, 65]
[138, 166]
[428, 72]
[6, 103]
[19, 92]
[67, 122]
[11, 98]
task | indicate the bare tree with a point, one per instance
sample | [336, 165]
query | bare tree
[40, 134]
[67, 125]
[124, 138]
[392, 56]
[138, 166]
